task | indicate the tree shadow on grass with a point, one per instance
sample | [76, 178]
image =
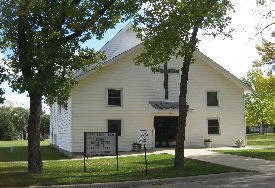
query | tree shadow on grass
[20, 153]
[92, 176]
[267, 154]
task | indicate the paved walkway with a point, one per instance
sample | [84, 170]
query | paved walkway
[228, 180]
[236, 161]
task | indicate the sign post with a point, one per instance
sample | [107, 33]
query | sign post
[144, 138]
[100, 144]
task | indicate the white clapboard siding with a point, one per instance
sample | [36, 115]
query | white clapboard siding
[139, 85]
[60, 127]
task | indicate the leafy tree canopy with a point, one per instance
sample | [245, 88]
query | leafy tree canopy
[165, 27]
[45, 125]
[267, 53]
[46, 40]
[258, 103]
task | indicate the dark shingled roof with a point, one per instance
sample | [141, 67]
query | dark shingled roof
[164, 105]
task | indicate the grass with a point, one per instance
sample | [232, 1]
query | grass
[268, 139]
[20, 152]
[104, 170]
[267, 154]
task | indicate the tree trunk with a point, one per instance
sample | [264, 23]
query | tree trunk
[34, 155]
[183, 107]
[262, 129]
[24, 134]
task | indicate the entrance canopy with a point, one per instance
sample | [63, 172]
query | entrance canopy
[165, 107]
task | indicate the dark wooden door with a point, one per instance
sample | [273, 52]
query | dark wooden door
[165, 130]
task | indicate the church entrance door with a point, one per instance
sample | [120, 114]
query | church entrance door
[165, 131]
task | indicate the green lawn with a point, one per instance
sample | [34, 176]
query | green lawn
[268, 139]
[20, 152]
[104, 170]
[267, 154]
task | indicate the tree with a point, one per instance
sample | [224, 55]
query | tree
[20, 120]
[7, 128]
[258, 103]
[170, 28]
[267, 53]
[46, 38]
[45, 125]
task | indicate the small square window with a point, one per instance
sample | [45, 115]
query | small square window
[213, 126]
[212, 99]
[114, 97]
[114, 126]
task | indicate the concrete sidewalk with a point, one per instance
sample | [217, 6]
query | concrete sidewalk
[236, 161]
[228, 180]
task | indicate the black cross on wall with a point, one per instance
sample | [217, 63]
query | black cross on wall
[166, 71]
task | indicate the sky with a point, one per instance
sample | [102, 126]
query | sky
[235, 55]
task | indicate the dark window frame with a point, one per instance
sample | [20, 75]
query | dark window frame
[211, 102]
[114, 103]
[109, 129]
[210, 127]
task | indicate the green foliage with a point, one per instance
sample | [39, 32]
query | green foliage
[7, 128]
[165, 27]
[266, 51]
[239, 143]
[45, 39]
[261, 2]
[258, 103]
[45, 42]
[13, 122]
[19, 117]
[45, 125]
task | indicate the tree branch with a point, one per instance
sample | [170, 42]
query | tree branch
[264, 28]
[90, 21]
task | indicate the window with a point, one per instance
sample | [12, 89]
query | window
[213, 126]
[114, 126]
[212, 99]
[114, 97]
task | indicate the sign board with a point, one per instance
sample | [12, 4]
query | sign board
[144, 137]
[100, 144]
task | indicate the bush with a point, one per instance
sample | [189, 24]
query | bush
[239, 143]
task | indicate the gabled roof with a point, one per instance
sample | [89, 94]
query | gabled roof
[126, 42]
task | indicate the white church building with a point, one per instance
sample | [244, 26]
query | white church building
[126, 98]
